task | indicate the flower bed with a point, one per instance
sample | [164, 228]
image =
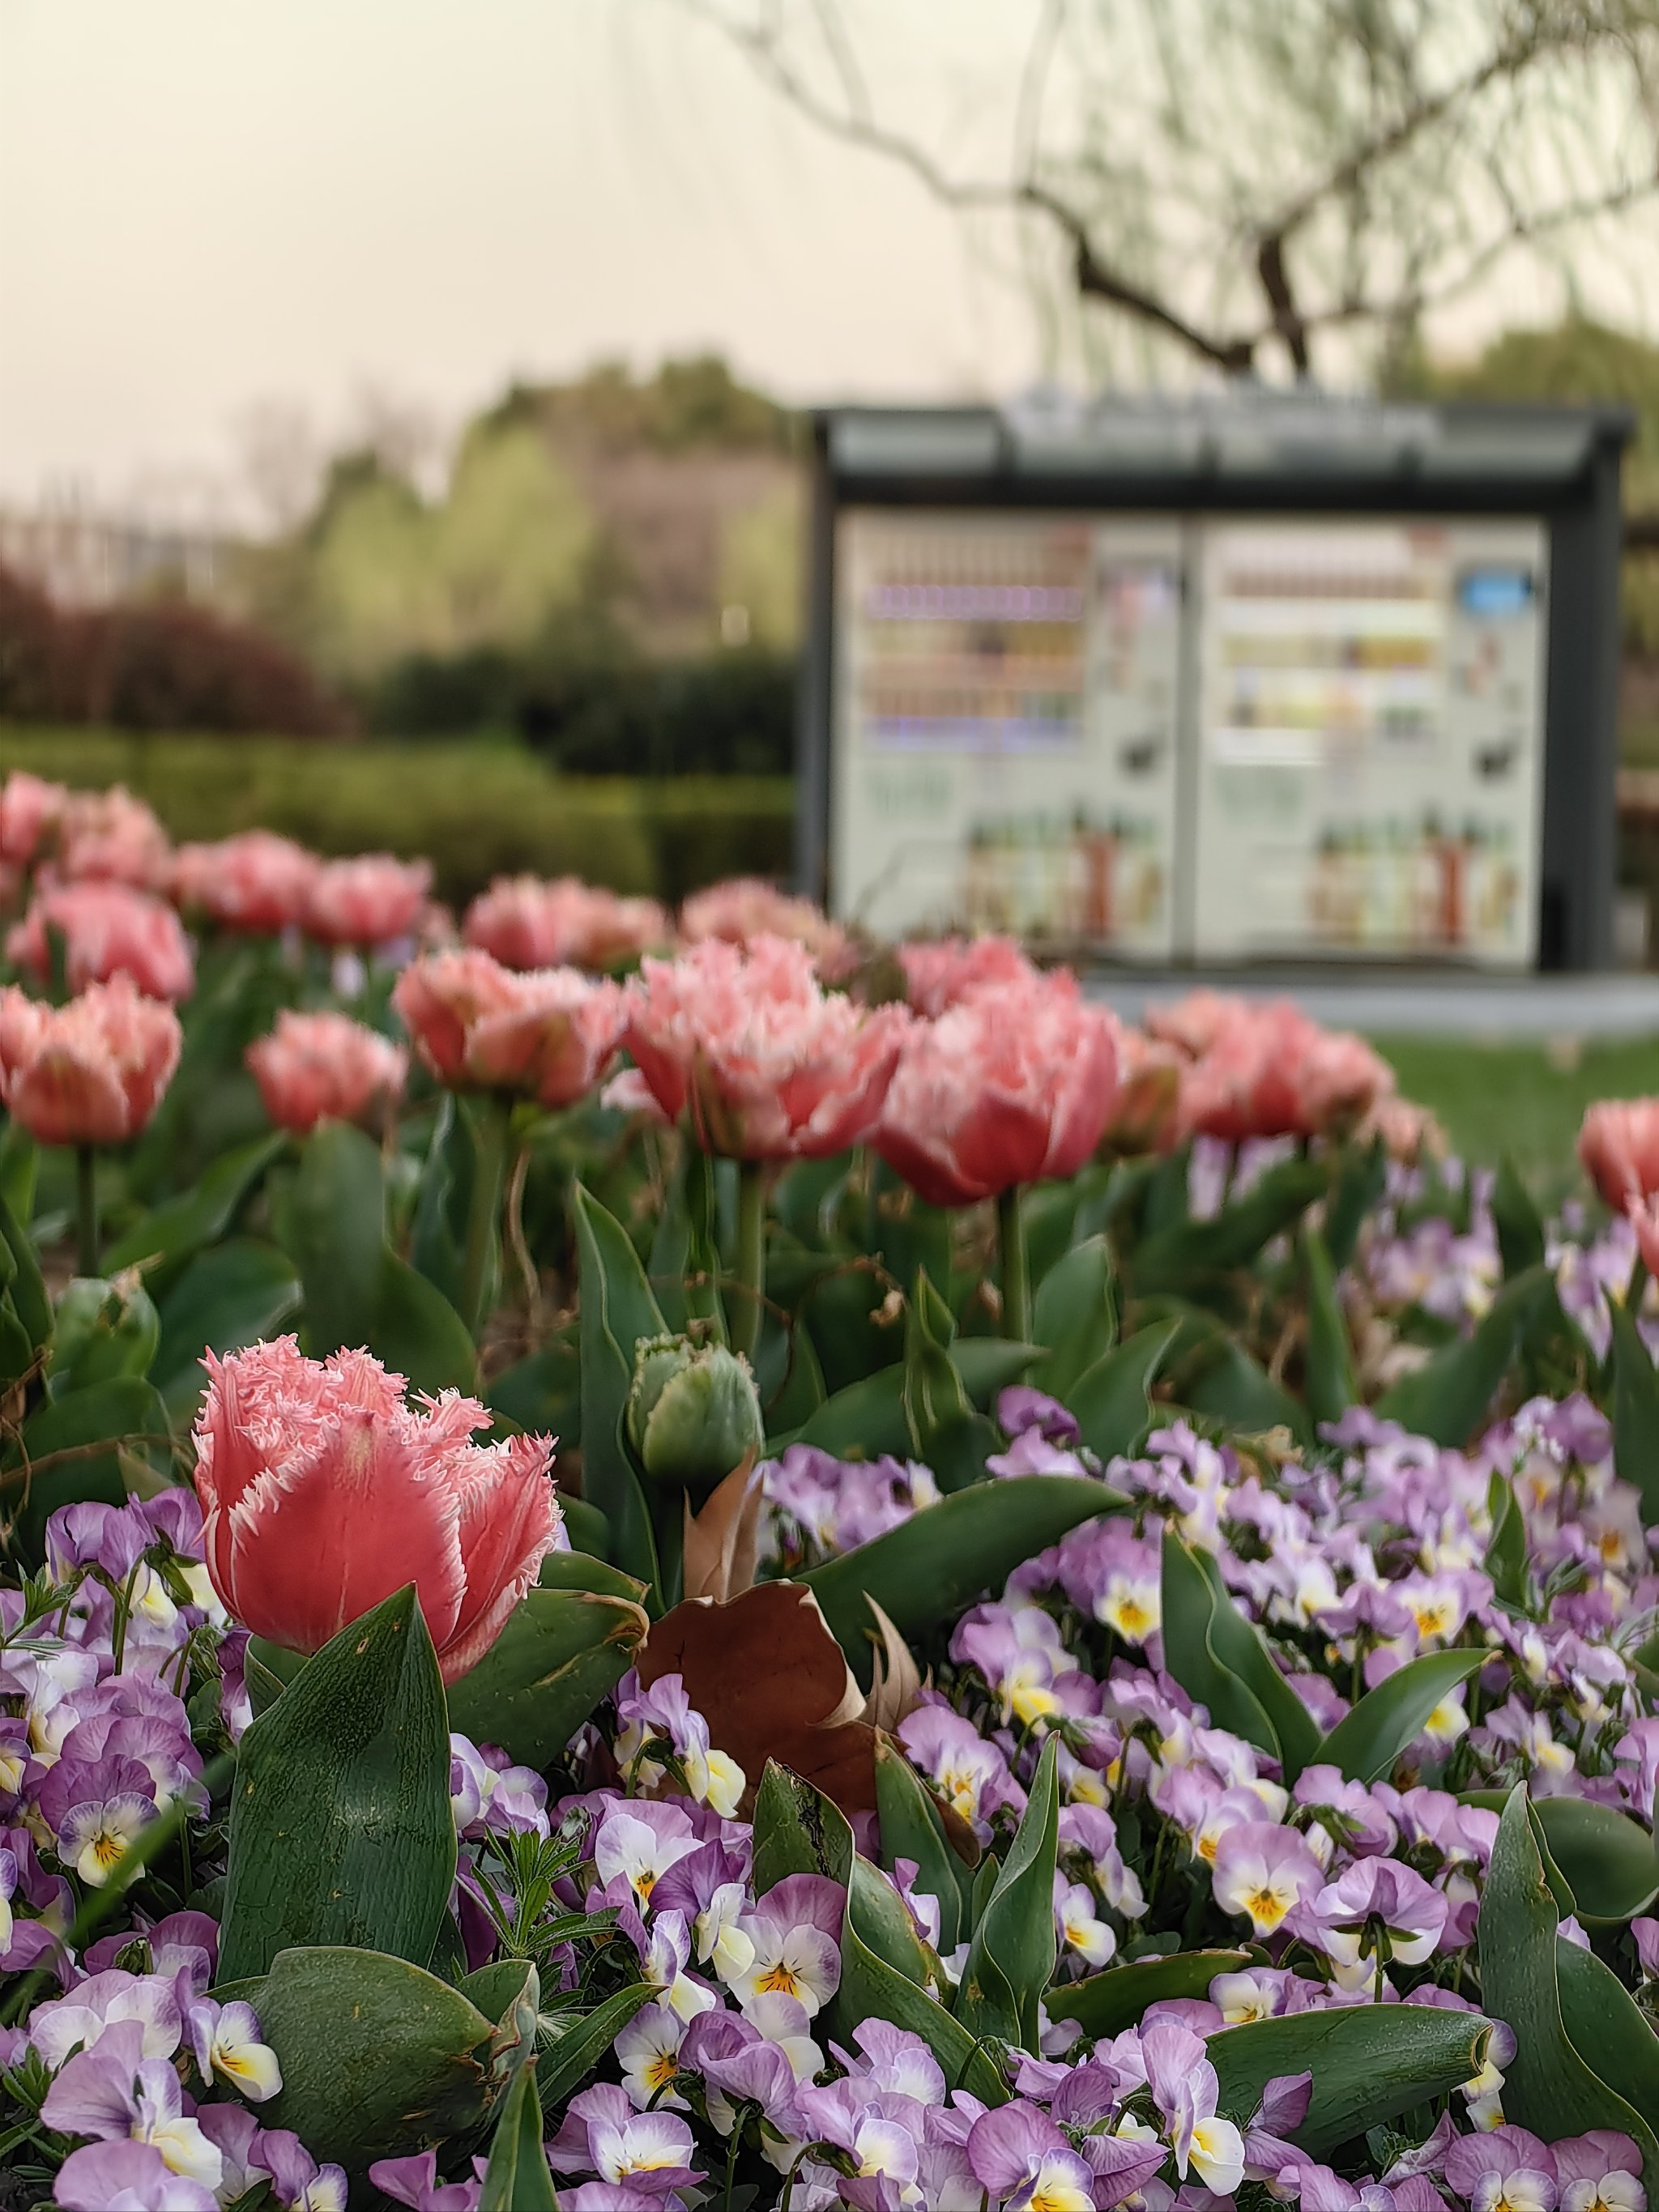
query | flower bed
[1091, 1639]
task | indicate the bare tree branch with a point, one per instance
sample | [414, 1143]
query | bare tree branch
[1432, 144]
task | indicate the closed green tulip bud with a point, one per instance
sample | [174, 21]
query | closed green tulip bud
[693, 1411]
[102, 1330]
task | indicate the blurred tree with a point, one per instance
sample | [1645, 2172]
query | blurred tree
[1242, 181]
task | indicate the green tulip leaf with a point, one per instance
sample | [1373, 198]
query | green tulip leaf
[51, 1460]
[1550, 2085]
[1106, 2003]
[866, 1418]
[872, 1988]
[1374, 1731]
[1109, 1399]
[913, 1828]
[797, 1830]
[933, 1564]
[1074, 1317]
[1274, 1203]
[232, 1295]
[333, 1226]
[616, 1311]
[1506, 1547]
[517, 2178]
[946, 1432]
[1361, 1178]
[1601, 2017]
[1011, 1955]
[1186, 1605]
[197, 1217]
[1448, 1397]
[1220, 1658]
[1328, 1381]
[417, 1334]
[1606, 1862]
[341, 1830]
[1635, 1410]
[567, 1643]
[376, 2054]
[1370, 2064]
[1516, 1219]
[1234, 1388]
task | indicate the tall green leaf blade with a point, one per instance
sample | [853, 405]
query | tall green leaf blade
[1106, 2003]
[1361, 1178]
[235, 1294]
[945, 1432]
[341, 1830]
[196, 1218]
[1550, 2086]
[797, 1830]
[1448, 1397]
[1239, 1646]
[1233, 1388]
[1015, 1936]
[517, 2178]
[616, 1311]
[1275, 1203]
[417, 1334]
[1329, 1382]
[375, 2052]
[1516, 1219]
[124, 1411]
[1374, 1731]
[563, 1649]
[1506, 1547]
[1601, 2017]
[1109, 1399]
[872, 1989]
[1074, 1315]
[912, 1828]
[1635, 1411]
[1370, 2064]
[333, 1225]
[1188, 1606]
[932, 1566]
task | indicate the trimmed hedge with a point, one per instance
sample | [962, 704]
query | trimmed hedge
[476, 809]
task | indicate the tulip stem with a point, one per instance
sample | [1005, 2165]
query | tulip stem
[748, 1287]
[490, 1133]
[1016, 1271]
[86, 1210]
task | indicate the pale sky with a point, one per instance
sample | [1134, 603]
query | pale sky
[205, 204]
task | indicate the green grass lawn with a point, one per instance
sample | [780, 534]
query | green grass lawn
[1521, 1099]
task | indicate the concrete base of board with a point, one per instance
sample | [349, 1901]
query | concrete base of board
[1484, 1009]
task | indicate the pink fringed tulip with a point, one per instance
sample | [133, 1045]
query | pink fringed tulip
[1618, 1145]
[479, 1026]
[368, 901]
[1013, 1086]
[91, 1072]
[525, 923]
[30, 811]
[744, 908]
[323, 1492]
[939, 977]
[108, 929]
[1267, 1070]
[768, 1064]
[316, 1068]
[257, 882]
[110, 836]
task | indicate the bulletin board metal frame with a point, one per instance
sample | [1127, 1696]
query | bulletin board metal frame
[1277, 457]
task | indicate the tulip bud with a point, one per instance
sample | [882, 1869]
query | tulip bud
[692, 1412]
[102, 1330]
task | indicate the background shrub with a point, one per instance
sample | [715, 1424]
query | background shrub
[158, 664]
[475, 808]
